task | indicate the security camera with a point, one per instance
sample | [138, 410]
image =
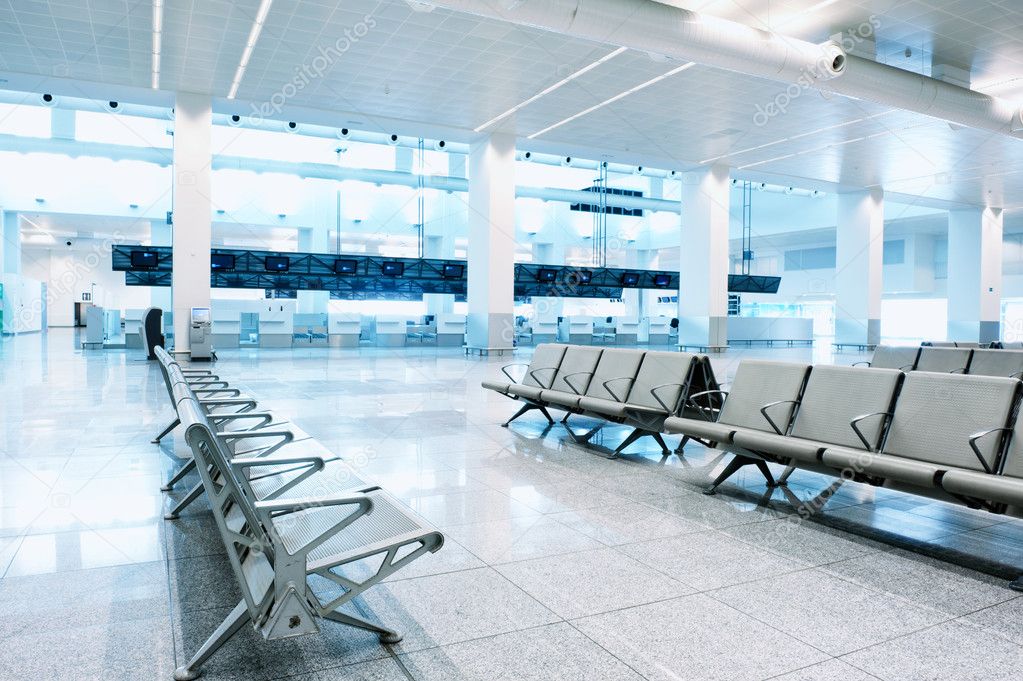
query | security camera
[392, 140]
[567, 161]
[735, 182]
[48, 99]
[638, 170]
[292, 126]
[68, 244]
[673, 174]
[113, 106]
[440, 145]
[344, 133]
[236, 120]
[790, 190]
[760, 186]
[526, 155]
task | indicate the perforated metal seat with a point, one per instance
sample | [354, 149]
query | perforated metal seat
[1006, 363]
[894, 357]
[944, 360]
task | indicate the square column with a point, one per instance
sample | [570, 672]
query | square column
[975, 275]
[858, 260]
[438, 246]
[703, 276]
[190, 283]
[491, 256]
[313, 240]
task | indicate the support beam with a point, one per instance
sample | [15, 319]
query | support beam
[975, 275]
[859, 251]
[190, 283]
[491, 260]
[703, 277]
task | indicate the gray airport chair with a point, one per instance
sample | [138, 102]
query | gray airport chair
[893, 357]
[539, 374]
[573, 376]
[1007, 363]
[843, 406]
[1003, 485]
[944, 360]
[935, 428]
[298, 561]
[613, 373]
[763, 397]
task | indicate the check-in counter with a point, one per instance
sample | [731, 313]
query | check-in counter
[626, 330]
[133, 328]
[276, 324]
[227, 327]
[451, 330]
[391, 331]
[344, 329]
[576, 330]
[309, 328]
[770, 330]
[658, 330]
[545, 330]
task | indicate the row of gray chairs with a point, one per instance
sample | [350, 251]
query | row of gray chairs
[950, 436]
[977, 361]
[304, 532]
[636, 388]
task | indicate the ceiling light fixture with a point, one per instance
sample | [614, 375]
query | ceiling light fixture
[157, 41]
[250, 44]
[552, 88]
[612, 100]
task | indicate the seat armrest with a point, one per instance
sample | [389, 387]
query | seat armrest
[613, 394]
[653, 393]
[504, 370]
[862, 361]
[234, 392]
[283, 506]
[249, 462]
[708, 412]
[763, 411]
[534, 373]
[976, 450]
[854, 424]
[287, 435]
[264, 416]
[571, 385]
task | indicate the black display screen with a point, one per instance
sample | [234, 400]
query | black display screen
[393, 269]
[221, 261]
[145, 260]
[277, 263]
[346, 266]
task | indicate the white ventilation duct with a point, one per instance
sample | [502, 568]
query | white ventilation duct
[672, 31]
[664, 29]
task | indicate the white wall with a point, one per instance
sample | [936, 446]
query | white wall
[22, 311]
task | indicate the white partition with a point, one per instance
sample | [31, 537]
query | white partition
[276, 323]
[770, 330]
[626, 330]
[450, 329]
[391, 330]
[227, 324]
[133, 327]
[658, 330]
[95, 334]
[344, 329]
[545, 330]
[576, 330]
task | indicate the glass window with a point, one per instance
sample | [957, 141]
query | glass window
[112, 128]
[894, 252]
[24, 120]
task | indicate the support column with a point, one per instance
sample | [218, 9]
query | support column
[491, 260]
[193, 125]
[703, 279]
[160, 234]
[438, 246]
[858, 260]
[313, 240]
[975, 275]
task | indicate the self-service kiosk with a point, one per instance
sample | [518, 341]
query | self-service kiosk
[200, 334]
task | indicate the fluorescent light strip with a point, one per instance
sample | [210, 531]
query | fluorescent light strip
[250, 45]
[612, 100]
[157, 42]
[551, 89]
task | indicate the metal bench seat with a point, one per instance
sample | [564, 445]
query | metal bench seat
[537, 375]
[899, 357]
[944, 360]
[1001, 489]
[1007, 363]
[282, 550]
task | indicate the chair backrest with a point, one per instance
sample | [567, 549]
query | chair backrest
[614, 364]
[895, 357]
[670, 369]
[758, 383]
[835, 395]
[249, 549]
[579, 363]
[936, 414]
[938, 344]
[1007, 363]
[543, 368]
[971, 345]
[944, 360]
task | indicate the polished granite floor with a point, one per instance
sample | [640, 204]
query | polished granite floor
[558, 564]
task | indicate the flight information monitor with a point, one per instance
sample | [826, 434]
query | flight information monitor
[277, 263]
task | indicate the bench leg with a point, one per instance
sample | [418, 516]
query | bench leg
[585, 437]
[174, 424]
[660, 440]
[183, 504]
[680, 450]
[1017, 584]
[734, 465]
[176, 478]
[633, 436]
[567, 414]
[785, 476]
[529, 407]
[228, 628]
[386, 635]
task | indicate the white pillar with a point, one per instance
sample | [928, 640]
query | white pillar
[438, 247]
[491, 260]
[975, 274]
[703, 277]
[10, 230]
[313, 240]
[858, 259]
[193, 124]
